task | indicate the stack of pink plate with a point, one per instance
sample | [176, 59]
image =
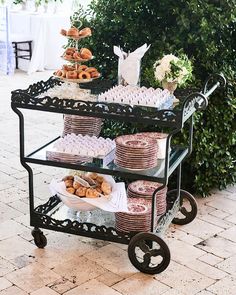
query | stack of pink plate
[82, 125]
[155, 135]
[138, 219]
[67, 158]
[160, 139]
[136, 152]
[145, 189]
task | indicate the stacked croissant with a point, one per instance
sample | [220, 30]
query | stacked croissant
[81, 72]
[72, 54]
[76, 33]
[96, 187]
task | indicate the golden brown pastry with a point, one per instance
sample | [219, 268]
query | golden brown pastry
[70, 190]
[98, 189]
[84, 75]
[91, 69]
[82, 68]
[69, 177]
[76, 185]
[85, 32]
[63, 32]
[59, 73]
[100, 179]
[85, 53]
[94, 74]
[64, 73]
[106, 188]
[68, 56]
[70, 50]
[73, 32]
[69, 183]
[71, 75]
[76, 56]
[68, 68]
[81, 191]
[92, 193]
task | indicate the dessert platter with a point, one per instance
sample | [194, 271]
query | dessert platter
[90, 191]
[75, 33]
[76, 72]
[72, 54]
[89, 186]
[72, 190]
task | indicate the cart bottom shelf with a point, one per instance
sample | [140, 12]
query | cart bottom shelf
[99, 224]
[147, 251]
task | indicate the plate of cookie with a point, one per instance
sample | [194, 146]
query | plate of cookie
[85, 192]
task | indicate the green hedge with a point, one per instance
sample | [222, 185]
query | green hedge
[206, 31]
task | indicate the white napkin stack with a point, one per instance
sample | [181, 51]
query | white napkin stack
[129, 64]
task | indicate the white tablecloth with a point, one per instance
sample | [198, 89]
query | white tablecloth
[44, 30]
[7, 58]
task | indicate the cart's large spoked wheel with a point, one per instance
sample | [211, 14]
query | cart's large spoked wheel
[188, 207]
[149, 253]
[39, 238]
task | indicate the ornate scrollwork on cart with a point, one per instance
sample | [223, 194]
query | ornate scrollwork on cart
[84, 229]
[51, 203]
[24, 98]
[75, 227]
[38, 88]
[195, 101]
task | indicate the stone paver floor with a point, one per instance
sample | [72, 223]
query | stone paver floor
[203, 252]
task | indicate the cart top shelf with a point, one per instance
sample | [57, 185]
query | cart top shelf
[32, 98]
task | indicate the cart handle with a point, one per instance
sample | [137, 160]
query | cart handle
[221, 82]
[199, 100]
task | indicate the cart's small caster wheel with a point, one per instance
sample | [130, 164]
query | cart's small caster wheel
[188, 208]
[149, 253]
[39, 238]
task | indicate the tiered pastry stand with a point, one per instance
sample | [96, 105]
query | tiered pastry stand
[148, 252]
[76, 63]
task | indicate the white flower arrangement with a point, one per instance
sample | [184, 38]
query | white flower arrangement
[173, 69]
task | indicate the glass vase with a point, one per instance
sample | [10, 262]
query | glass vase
[171, 86]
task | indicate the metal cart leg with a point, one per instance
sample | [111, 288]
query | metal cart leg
[39, 238]
[186, 200]
[187, 203]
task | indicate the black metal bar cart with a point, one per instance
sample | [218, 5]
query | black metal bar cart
[143, 247]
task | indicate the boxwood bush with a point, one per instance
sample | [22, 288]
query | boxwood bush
[205, 30]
